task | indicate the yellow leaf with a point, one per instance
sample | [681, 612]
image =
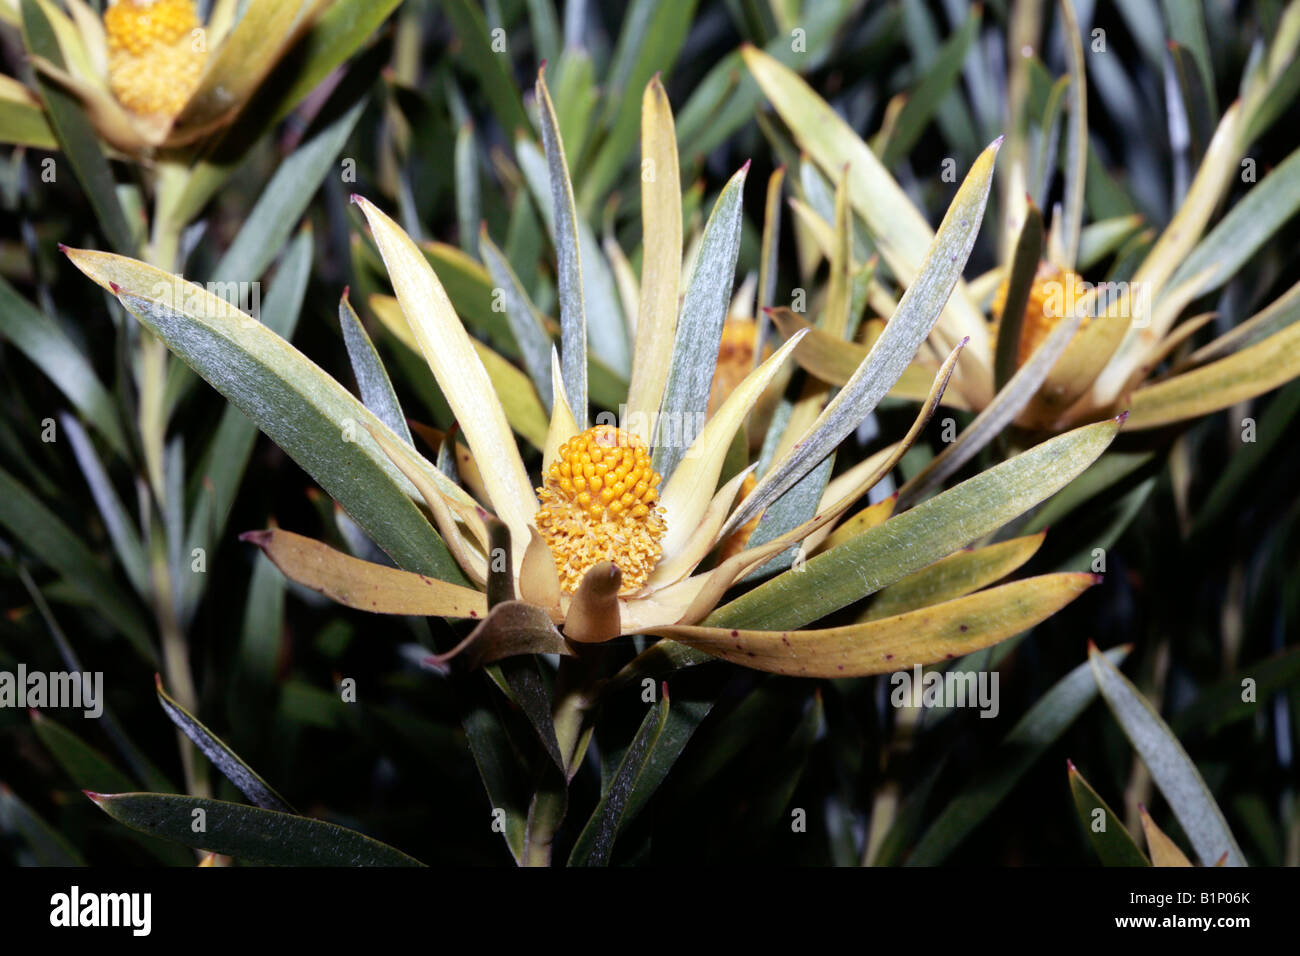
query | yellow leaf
[359, 584]
[661, 267]
[515, 391]
[924, 636]
[1164, 851]
[460, 373]
[1222, 384]
[954, 576]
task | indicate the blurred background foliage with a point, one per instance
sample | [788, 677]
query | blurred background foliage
[1202, 542]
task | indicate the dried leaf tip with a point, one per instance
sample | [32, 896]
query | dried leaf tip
[258, 538]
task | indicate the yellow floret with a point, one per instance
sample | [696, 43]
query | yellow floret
[599, 502]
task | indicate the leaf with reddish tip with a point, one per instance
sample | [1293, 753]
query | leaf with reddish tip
[1109, 837]
[361, 584]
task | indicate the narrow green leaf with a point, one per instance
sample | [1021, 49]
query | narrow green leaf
[22, 120]
[257, 658]
[1248, 225]
[272, 219]
[1099, 239]
[595, 843]
[249, 834]
[48, 846]
[372, 378]
[699, 329]
[923, 102]
[123, 534]
[651, 37]
[1024, 266]
[1221, 703]
[84, 765]
[525, 322]
[684, 718]
[226, 760]
[908, 542]
[308, 414]
[1187, 29]
[491, 67]
[546, 28]
[1170, 766]
[1109, 837]
[217, 476]
[469, 211]
[50, 350]
[53, 543]
[573, 317]
[1076, 137]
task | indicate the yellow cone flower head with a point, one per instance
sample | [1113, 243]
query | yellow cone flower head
[600, 503]
[156, 53]
[151, 74]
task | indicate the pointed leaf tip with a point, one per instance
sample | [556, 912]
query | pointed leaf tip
[258, 538]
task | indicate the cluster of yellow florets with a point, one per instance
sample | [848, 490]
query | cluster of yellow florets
[1054, 293]
[600, 503]
[155, 60]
